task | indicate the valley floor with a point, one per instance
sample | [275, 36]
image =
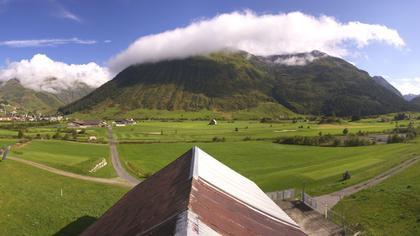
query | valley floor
[145, 148]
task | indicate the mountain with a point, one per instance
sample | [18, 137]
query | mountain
[409, 97]
[415, 101]
[77, 91]
[307, 83]
[383, 82]
[14, 96]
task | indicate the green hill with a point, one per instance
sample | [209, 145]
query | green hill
[307, 83]
[14, 95]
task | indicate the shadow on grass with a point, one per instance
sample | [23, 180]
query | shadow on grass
[76, 227]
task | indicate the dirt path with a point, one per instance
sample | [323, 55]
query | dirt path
[121, 172]
[333, 198]
[113, 181]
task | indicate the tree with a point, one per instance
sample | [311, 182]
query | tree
[20, 134]
[346, 175]
[345, 131]
[74, 133]
[355, 118]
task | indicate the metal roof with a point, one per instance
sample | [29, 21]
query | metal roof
[195, 195]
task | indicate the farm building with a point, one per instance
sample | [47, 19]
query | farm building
[86, 123]
[213, 122]
[195, 195]
[124, 122]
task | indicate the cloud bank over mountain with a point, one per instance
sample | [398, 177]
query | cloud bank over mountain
[43, 74]
[407, 85]
[263, 35]
[258, 34]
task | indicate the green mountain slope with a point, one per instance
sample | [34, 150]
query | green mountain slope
[15, 95]
[309, 83]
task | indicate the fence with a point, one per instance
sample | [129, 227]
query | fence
[331, 215]
[282, 195]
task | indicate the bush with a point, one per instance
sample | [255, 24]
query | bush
[400, 116]
[20, 134]
[396, 138]
[218, 139]
[353, 141]
[355, 118]
[346, 176]
[247, 138]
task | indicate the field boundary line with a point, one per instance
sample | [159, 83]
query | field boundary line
[113, 181]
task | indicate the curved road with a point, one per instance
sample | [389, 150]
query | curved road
[331, 199]
[121, 172]
[114, 181]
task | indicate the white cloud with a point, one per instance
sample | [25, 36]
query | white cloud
[39, 72]
[107, 41]
[258, 34]
[44, 42]
[407, 85]
[298, 60]
[68, 15]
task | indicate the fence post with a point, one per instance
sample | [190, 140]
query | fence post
[326, 211]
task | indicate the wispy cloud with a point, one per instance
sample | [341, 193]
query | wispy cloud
[68, 15]
[45, 42]
[60, 11]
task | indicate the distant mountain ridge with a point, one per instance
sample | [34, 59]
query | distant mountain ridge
[307, 83]
[383, 82]
[14, 94]
[409, 97]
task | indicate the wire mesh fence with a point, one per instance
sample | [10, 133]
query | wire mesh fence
[287, 194]
[331, 215]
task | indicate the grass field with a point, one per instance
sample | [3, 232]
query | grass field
[70, 156]
[155, 131]
[276, 166]
[390, 208]
[268, 109]
[31, 201]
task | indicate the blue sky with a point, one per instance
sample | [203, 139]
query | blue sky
[79, 32]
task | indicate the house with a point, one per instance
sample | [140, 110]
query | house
[124, 122]
[85, 123]
[213, 122]
[195, 195]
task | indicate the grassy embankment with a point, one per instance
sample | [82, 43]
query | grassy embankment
[70, 156]
[31, 201]
[390, 208]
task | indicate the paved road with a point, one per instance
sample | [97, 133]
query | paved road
[114, 181]
[121, 172]
[333, 198]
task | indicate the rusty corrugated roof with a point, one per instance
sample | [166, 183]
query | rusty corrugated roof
[185, 198]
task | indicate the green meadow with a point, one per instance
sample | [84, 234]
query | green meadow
[200, 131]
[70, 156]
[390, 208]
[275, 166]
[31, 202]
